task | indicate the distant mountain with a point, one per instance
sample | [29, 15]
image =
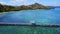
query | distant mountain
[39, 6]
[7, 8]
[56, 6]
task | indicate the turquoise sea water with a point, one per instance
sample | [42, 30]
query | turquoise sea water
[25, 16]
[39, 16]
[29, 30]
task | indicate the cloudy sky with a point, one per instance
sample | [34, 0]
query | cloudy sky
[27, 2]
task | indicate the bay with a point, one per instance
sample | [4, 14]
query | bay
[39, 16]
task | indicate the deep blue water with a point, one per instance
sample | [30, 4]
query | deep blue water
[39, 16]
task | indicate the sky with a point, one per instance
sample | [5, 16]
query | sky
[28, 2]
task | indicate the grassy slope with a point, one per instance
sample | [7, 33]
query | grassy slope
[29, 30]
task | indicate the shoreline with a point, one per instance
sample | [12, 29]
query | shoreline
[22, 10]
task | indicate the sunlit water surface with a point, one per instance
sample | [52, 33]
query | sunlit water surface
[39, 16]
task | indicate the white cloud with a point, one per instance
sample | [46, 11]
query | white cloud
[24, 2]
[15, 2]
[2, 2]
[18, 1]
[36, 1]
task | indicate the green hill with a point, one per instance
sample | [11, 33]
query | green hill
[7, 8]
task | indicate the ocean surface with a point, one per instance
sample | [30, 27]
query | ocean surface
[38, 16]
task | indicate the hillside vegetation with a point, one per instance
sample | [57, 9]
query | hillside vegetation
[7, 8]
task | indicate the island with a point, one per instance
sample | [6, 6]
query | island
[8, 8]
